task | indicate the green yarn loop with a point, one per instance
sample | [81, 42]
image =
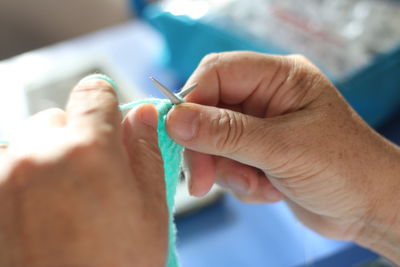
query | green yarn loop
[172, 156]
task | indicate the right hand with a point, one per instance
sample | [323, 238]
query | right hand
[274, 127]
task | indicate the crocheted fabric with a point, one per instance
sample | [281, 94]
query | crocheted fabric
[172, 156]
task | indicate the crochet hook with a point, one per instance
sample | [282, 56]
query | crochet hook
[175, 99]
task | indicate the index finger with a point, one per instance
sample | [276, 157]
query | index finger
[256, 84]
[93, 107]
[232, 77]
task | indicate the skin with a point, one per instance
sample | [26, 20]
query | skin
[274, 127]
[78, 188]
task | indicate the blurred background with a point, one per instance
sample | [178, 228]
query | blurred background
[47, 46]
[27, 25]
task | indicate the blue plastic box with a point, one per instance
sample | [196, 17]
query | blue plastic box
[374, 92]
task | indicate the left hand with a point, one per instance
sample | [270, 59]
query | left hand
[77, 189]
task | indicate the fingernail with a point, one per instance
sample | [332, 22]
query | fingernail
[238, 185]
[183, 123]
[98, 76]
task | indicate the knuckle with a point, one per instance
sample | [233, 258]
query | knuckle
[88, 152]
[299, 64]
[102, 136]
[229, 128]
[51, 112]
[103, 133]
[303, 79]
[301, 68]
[22, 164]
[22, 169]
[47, 114]
[85, 153]
[211, 59]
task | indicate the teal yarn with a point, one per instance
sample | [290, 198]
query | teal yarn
[172, 156]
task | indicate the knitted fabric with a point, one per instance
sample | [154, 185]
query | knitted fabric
[172, 155]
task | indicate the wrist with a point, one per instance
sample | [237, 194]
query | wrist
[381, 225]
[383, 236]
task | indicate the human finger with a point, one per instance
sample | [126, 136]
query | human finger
[93, 107]
[247, 183]
[201, 168]
[53, 117]
[39, 132]
[220, 132]
[263, 85]
[141, 143]
[230, 77]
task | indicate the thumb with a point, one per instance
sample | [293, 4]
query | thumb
[222, 132]
[141, 143]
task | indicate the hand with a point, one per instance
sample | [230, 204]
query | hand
[273, 127]
[77, 189]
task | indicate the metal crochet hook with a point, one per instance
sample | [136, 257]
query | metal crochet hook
[175, 99]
